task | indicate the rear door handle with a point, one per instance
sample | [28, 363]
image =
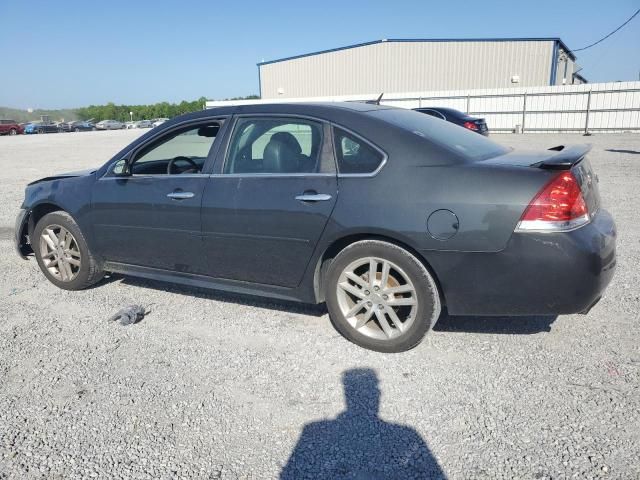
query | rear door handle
[181, 195]
[313, 197]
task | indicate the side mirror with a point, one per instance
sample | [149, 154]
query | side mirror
[122, 168]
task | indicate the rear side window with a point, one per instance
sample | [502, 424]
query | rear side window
[274, 146]
[469, 145]
[355, 155]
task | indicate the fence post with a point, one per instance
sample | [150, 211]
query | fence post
[420, 102]
[524, 109]
[586, 120]
[468, 103]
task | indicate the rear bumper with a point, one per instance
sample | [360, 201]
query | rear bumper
[536, 274]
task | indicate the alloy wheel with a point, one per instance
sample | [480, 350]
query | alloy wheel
[60, 253]
[377, 298]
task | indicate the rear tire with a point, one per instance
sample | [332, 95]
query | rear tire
[63, 254]
[400, 302]
[13, 131]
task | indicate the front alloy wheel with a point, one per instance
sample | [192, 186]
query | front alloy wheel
[380, 296]
[60, 253]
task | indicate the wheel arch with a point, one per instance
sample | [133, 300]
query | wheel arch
[341, 243]
[38, 211]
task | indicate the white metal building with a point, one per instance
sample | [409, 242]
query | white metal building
[410, 65]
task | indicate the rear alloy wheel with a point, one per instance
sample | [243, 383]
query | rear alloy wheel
[13, 131]
[62, 252]
[381, 297]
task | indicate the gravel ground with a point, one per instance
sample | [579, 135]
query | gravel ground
[215, 386]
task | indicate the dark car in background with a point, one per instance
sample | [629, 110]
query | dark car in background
[475, 124]
[10, 127]
[387, 215]
[42, 127]
[77, 126]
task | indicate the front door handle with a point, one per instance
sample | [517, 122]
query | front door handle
[313, 197]
[180, 195]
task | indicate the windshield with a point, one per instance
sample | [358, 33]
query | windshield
[467, 144]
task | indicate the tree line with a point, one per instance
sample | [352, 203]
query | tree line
[111, 111]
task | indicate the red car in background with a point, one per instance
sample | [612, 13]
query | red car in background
[10, 127]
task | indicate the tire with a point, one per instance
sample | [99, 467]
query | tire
[40, 131]
[76, 129]
[416, 307]
[86, 274]
[13, 131]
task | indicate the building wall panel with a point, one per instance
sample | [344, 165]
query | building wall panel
[409, 66]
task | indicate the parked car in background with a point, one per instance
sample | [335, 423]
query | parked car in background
[159, 121]
[139, 124]
[143, 124]
[42, 127]
[77, 126]
[388, 225]
[475, 124]
[110, 125]
[10, 127]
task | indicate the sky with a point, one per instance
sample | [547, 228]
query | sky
[66, 54]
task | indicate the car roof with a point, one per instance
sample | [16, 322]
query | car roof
[330, 111]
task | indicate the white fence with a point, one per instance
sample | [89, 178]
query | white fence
[592, 107]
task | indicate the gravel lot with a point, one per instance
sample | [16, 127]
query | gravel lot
[214, 386]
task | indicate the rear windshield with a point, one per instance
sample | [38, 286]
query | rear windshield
[469, 145]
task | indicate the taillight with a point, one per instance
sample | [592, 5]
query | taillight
[470, 125]
[559, 206]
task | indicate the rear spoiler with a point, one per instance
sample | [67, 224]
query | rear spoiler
[566, 158]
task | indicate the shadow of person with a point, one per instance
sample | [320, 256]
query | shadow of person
[359, 445]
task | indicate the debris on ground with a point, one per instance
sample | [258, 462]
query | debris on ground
[129, 315]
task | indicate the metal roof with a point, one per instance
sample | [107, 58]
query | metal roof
[399, 40]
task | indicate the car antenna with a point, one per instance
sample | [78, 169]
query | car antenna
[377, 102]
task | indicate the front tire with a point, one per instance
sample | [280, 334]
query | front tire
[13, 131]
[381, 297]
[63, 254]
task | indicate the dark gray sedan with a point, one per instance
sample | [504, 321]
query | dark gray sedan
[387, 215]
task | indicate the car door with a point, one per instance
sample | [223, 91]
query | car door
[152, 217]
[269, 201]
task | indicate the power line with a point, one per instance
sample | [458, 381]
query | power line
[604, 38]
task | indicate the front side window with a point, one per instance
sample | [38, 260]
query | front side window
[274, 146]
[181, 151]
[355, 155]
